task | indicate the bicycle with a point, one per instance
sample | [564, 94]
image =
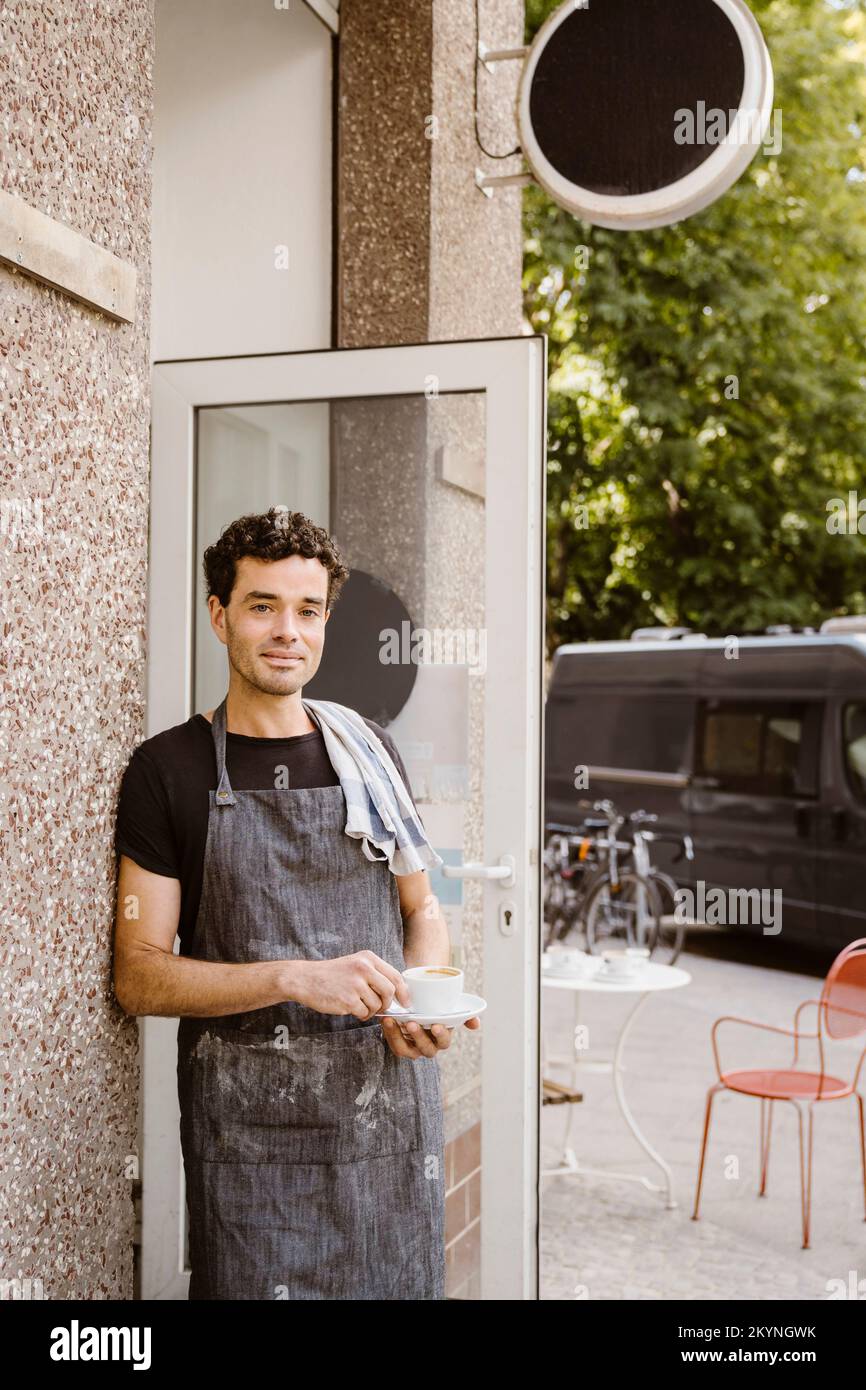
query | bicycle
[573, 860]
[671, 933]
[585, 886]
[621, 907]
[559, 889]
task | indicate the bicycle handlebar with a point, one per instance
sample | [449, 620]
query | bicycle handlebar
[614, 821]
[685, 842]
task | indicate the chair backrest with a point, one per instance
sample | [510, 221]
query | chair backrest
[845, 987]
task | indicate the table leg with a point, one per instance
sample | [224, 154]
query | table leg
[568, 1154]
[572, 1165]
[626, 1113]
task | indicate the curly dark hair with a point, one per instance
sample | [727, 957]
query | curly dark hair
[271, 535]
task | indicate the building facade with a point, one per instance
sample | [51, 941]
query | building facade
[281, 179]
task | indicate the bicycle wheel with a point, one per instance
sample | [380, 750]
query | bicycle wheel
[672, 933]
[622, 914]
[560, 907]
[555, 923]
[556, 913]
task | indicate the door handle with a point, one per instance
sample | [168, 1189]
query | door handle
[503, 872]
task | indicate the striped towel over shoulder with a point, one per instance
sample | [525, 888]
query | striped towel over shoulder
[380, 809]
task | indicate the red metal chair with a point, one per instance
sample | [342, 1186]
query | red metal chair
[841, 1014]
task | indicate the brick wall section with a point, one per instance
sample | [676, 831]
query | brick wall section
[463, 1215]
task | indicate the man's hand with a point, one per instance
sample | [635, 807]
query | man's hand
[362, 984]
[413, 1041]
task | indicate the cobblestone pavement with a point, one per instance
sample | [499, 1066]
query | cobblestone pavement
[608, 1240]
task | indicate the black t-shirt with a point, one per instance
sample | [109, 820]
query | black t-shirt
[163, 808]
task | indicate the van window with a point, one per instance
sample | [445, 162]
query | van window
[768, 748]
[854, 728]
[620, 728]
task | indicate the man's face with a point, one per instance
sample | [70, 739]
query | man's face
[274, 625]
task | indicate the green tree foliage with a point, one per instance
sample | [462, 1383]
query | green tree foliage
[676, 495]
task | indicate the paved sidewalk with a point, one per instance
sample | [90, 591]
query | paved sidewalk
[607, 1240]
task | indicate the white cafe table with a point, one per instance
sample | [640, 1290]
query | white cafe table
[650, 978]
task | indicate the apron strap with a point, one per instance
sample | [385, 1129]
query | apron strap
[224, 794]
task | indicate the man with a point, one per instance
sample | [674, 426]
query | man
[311, 1132]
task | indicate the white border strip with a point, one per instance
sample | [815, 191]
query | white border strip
[326, 13]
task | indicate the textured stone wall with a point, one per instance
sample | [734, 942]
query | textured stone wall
[74, 415]
[422, 253]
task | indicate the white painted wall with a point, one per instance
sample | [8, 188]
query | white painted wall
[242, 165]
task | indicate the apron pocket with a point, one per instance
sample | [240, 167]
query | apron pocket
[335, 1097]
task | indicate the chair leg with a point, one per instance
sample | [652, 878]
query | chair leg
[805, 1171]
[766, 1130]
[862, 1148]
[719, 1086]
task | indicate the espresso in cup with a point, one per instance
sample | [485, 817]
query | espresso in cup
[435, 989]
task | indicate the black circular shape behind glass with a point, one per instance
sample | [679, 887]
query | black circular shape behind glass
[607, 86]
[351, 672]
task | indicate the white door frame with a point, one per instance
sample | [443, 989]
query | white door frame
[513, 374]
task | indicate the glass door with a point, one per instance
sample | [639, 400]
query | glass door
[426, 464]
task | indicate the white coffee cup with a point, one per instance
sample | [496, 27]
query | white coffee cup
[619, 963]
[568, 960]
[435, 989]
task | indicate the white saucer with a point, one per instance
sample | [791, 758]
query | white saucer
[617, 977]
[552, 965]
[470, 1006]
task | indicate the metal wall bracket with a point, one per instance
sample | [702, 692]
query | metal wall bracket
[488, 182]
[491, 56]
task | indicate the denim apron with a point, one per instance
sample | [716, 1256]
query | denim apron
[313, 1157]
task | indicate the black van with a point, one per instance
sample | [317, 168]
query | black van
[755, 746]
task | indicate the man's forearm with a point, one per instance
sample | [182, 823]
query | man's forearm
[162, 984]
[425, 938]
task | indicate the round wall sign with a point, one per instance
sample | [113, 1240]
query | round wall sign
[638, 113]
